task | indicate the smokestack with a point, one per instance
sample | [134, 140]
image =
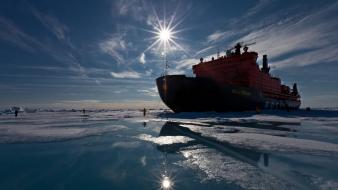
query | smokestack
[294, 88]
[265, 68]
[265, 61]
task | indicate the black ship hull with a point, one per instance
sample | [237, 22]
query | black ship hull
[189, 94]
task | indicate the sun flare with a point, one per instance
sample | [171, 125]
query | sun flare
[166, 183]
[164, 35]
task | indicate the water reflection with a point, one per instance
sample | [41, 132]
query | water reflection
[214, 151]
[175, 129]
[166, 181]
[220, 161]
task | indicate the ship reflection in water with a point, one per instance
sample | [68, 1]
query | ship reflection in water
[175, 129]
[222, 161]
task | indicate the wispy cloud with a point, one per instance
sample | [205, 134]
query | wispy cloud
[313, 36]
[260, 6]
[149, 72]
[126, 74]
[204, 50]
[51, 23]
[142, 58]
[186, 63]
[218, 36]
[13, 34]
[66, 54]
[114, 45]
[132, 8]
[239, 25]
[150, 92]
[143, 160]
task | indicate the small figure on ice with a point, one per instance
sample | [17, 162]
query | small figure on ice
[144, 112]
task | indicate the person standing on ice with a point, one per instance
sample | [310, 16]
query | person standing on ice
[144, 112]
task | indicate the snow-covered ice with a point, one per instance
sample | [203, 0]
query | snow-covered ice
[246, 150]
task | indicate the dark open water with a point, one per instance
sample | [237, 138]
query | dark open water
[123, 150]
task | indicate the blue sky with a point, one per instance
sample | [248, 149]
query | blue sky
[99, 53]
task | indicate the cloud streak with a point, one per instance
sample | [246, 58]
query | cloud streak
[311, 35]
[126, 74]
[142, 58]
[150, 92]
[114, 45]
[131, 8]
[11, 33]
[219, 36]
[52, 23]
[14, 35]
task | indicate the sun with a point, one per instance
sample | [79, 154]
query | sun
[164, 35]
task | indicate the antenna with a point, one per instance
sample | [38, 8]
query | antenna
[164, 53]
[247, 44]
[166, 67]
[217, 53]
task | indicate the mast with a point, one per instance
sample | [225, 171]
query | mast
[165, 60]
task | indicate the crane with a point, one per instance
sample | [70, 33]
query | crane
[238, 47]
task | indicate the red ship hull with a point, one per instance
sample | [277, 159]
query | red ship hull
[189, 94]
